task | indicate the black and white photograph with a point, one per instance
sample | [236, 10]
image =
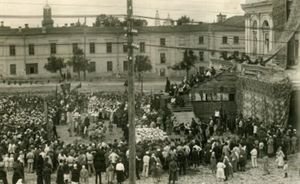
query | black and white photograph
[149, 92]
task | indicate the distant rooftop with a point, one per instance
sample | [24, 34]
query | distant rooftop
[235, 23]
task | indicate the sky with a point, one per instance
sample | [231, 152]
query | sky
[198, 10]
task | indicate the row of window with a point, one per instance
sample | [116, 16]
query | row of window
[92, 48]
[236, 40]
[32, 68]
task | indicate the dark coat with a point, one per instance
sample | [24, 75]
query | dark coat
[75, 175]
[99, 161]
[3, 176]
[60, 175]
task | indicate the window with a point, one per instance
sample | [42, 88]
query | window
[31, 49]
[224, 40]
[12, 50]
[231, 97]
[236, 53]
[236, 40]
[162, 42]
[125, 66]
[224, 54]
[212, 53]
[74, 47]
[32, 68]
[109, 47]
[125, 48]
[92, 48]
[109, 66]
[52, 48]
[142, 47]
[13, 69]
[92, 67]
[201, 56]
[296, 49]
[162, 58]
[201, 39]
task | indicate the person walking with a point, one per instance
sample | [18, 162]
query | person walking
[84, 175]
[110, 173]
[47, 171]
[280, 157]
[146, 162]
[3, 174]
[254, 157]
[99, 164]
[120, 171]
[220, 171]
[173, 169]
[213, 163]
[60, 173]
[266, 165]
[75, 175]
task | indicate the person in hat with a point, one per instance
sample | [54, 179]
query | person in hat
[84, 175]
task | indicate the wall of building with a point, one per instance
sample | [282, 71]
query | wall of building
[153, 49]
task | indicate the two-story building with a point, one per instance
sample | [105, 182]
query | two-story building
[24, 50]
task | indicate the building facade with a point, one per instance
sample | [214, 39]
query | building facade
[24, 51]
[270, 92]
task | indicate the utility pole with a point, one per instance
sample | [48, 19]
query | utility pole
[131, 95]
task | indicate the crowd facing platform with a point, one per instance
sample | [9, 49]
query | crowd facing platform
[225, 146]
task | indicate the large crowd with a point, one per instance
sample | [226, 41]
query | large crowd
[28, 146]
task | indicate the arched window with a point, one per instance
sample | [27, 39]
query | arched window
[254, 37]
[266, 36]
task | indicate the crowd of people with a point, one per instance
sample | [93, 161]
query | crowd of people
[28, 146]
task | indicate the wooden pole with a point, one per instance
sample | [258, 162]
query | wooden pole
[131, 96]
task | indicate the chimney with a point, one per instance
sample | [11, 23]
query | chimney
[26, 26]
[20, 29]
[2, 24]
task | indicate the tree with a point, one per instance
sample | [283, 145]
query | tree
[107, 21]
[188, 62]
[136, 22]
[55, 64]
[184, 20]
[79, 62]
[142, 64]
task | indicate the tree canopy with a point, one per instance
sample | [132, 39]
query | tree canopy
[142, 63]
[79, 62]
[188, 62]
[112, 21]
[184, 20]
[55, 64]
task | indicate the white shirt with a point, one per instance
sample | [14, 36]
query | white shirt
[253, 152]
[146, 160]
[120, 167]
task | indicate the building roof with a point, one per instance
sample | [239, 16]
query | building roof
[235, 23]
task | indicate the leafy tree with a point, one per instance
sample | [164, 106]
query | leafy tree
[184, 20]
[79, 62]
[55, 64]
[188, 62]
[136, 22]
[107, 21]
[142, 64]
